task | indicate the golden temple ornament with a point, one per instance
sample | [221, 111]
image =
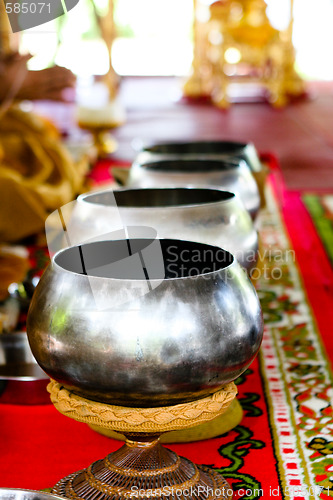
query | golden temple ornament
[109, 113]
[235, 43]
[107, 29]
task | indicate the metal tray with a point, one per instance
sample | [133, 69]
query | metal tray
[22, 381]
[20, 494]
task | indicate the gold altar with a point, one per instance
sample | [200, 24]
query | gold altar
[235, 43]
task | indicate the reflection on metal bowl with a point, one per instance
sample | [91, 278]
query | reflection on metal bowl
[21, 379]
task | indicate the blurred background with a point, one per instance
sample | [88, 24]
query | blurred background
[154, 37]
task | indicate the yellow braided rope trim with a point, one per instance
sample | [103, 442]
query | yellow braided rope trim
[124, 419]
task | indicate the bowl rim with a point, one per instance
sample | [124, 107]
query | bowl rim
[226, 197]
[148, 146]
[156, 165]
[210, 274]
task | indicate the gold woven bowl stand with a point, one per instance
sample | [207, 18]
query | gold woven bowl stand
[142, 467]
[208, 430]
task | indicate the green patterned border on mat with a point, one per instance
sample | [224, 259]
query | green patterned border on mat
[322, 216]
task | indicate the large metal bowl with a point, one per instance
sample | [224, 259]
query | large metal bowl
[201, 150]
[20, 494]
[233, 176]
[110, 336]
[208, 216]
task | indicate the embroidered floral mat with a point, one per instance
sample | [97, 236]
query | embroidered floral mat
[283, 447]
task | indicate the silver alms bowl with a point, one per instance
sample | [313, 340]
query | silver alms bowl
[201, 150]
[208, 216]
[102, 331]
[233, 176]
